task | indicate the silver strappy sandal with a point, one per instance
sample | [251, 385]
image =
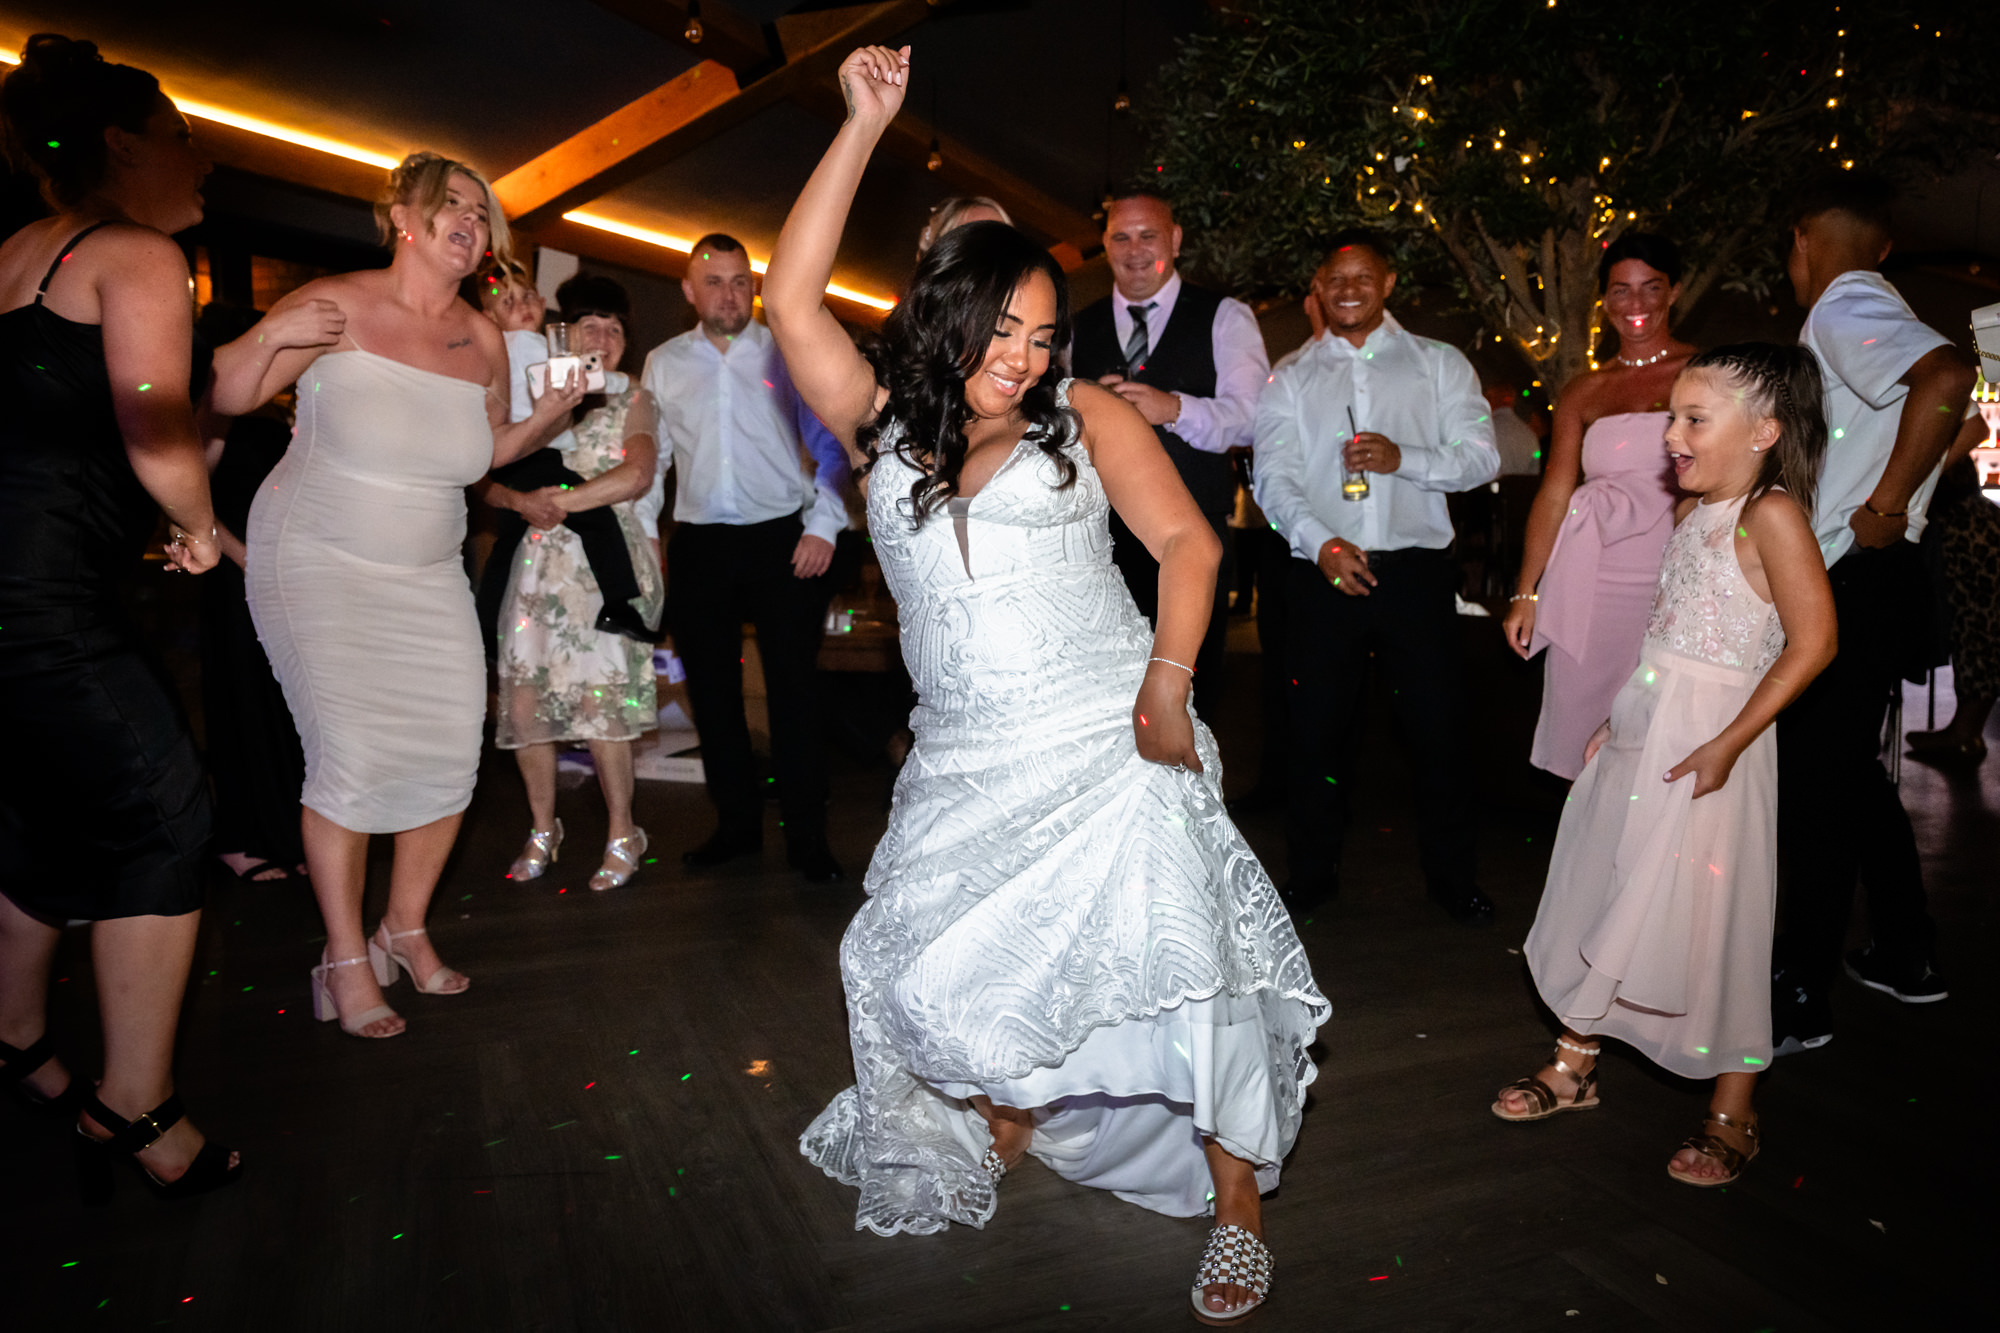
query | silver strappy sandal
[544, 846]
[621, 860]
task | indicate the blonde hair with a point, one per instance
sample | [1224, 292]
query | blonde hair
[948, 212]
[420, 180]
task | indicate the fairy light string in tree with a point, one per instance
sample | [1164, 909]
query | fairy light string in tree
[1503, 144]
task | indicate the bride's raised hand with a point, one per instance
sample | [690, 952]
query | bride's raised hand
[873, 80]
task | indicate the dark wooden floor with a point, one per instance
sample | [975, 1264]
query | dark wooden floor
[601, 1134]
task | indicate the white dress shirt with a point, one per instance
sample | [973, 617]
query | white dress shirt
[1212, 425]
[1866, 339]
[1419, 393]
[733, 425]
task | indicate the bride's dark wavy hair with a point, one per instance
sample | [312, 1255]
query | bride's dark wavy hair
[939, 335]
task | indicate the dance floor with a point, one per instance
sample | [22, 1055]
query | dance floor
[601, 1134]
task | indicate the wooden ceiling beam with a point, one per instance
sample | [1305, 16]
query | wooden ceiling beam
[261, 155]
[552, 182]
[588, 165]
[727, 37]
[967, 171]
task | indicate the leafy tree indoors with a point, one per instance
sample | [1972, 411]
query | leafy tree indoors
[1506, 142]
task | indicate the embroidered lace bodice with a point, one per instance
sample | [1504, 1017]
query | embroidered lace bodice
[1705, 608]
[1039, 882]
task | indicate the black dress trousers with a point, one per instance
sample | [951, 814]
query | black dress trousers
[719, 576]
[1839, 816]
[1409, 622]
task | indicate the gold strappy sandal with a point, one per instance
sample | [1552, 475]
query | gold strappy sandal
[1543, 1100]
[1733, 1159]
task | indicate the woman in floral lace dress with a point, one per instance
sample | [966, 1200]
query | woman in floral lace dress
[561, 678]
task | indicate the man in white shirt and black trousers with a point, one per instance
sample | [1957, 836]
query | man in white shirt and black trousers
[755, 537]
[1193, 363]
[1896, 390]
[1373, 575]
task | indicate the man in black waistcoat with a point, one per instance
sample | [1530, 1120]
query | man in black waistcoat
[1193, 363]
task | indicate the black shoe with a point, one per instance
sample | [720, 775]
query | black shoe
[1260, 799]
[622, 618]
[16, 1065]
[1301, 896]
[1467, 905]
[1914, 982]
[722, 847]
[810, 857]
[210, 1169]
[1801, 1019]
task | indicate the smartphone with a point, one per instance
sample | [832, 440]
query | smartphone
[590, 365]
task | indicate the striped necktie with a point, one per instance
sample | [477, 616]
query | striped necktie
[1136, 346]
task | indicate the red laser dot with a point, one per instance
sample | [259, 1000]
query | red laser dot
[1383, 1278]
[1142, 720]
[588, 1086]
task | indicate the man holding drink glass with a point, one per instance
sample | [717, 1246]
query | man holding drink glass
[1360, 436]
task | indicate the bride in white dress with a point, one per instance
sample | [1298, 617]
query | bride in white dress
[1068, 949]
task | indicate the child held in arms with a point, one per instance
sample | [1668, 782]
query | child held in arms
[1656, 924]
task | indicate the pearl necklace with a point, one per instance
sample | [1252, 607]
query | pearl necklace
[1660, 355]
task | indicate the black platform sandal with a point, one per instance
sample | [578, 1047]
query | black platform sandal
[21, 1063]
[210, 1169]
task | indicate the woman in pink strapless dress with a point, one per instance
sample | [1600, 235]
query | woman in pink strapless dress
[1600, 521]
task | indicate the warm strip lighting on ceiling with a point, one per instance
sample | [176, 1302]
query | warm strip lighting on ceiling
[682, 245]
[319, 143]
[256, 125]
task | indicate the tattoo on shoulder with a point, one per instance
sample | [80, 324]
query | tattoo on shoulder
[457, 343]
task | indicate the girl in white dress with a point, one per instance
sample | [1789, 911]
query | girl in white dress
[1068, 949]
[1655, 927]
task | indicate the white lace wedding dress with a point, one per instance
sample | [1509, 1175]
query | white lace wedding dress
[1052, 920]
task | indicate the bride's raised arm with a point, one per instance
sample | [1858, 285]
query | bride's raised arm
[832, 376]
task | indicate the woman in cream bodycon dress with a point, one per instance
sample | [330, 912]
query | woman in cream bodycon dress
[354, 573]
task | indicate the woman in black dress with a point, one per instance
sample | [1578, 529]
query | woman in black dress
[104, 812]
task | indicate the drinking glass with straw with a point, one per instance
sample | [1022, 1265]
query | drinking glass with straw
[1353, 481]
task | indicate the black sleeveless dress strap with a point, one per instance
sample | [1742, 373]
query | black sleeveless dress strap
[63, 254]
[104, 806]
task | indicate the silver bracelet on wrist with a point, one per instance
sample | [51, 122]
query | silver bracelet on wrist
[1525, 597]
[1172, 663]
